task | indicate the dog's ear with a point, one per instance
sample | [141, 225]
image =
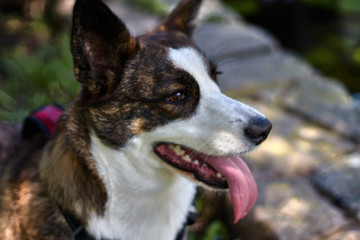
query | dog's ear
[182, 17]
[100, 44]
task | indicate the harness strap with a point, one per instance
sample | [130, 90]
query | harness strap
[79, 232]
[190, 220]
[42, 120]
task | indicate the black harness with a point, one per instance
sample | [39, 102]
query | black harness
[80, 233]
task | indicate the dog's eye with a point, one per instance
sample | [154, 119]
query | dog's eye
[177, 97]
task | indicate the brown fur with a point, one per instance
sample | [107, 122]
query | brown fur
[70, 175]
[182, 18]
[9, 137]
[24, 204]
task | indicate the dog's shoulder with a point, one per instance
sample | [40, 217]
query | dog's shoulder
[26, 211]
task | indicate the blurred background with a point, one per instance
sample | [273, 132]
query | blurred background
[325, 33]
[297, 61]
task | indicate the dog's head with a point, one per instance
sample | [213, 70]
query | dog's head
[157, 95]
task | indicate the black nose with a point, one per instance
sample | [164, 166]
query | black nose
[258, 129]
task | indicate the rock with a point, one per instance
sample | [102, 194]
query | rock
[341, 184]
[345, 235]
[294, 146]
[353, 160]
[325, 102]
[290, 209]
[136, 20]
[221, 42]
[269, 72]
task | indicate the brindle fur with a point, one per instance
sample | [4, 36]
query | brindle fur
[124, 92]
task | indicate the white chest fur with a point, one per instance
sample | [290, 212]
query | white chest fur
[145, 199]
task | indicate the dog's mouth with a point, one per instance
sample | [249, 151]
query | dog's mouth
[217, 172]
[188, 160]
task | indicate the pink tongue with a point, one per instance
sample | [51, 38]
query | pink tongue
[242, 186]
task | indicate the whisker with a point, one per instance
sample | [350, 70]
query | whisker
[225, 61]
[194, 152]
[216, 51]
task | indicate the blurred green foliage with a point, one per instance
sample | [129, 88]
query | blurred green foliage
[346, 6]
[153, 6]
[215, 230]
[338, 56]
[350, 6]
[332, 4]
[247, 7]
[30, 78]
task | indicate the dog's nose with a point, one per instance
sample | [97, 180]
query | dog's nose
[258, 130]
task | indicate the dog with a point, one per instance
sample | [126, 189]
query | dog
[148, 126]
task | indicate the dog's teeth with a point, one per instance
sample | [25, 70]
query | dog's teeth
[178, 151]
[187, 158]
[219, 175]
[196, 162]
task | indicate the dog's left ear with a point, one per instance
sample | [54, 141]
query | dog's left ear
[182, 17]
[100, 44]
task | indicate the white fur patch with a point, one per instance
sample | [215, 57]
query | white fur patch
[144, 201]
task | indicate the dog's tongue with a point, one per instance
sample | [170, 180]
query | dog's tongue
[242, 186]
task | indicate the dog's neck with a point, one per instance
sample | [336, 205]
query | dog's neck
[145, 201]
[116, 193]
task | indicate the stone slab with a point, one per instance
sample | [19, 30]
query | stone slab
[294, 146]
[326, 102]
[221, 41]
[261, 72]
[290, 209]
[345, 235]
[341, 184]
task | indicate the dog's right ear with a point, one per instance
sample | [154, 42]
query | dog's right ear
[182, 17]
[100, 44]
